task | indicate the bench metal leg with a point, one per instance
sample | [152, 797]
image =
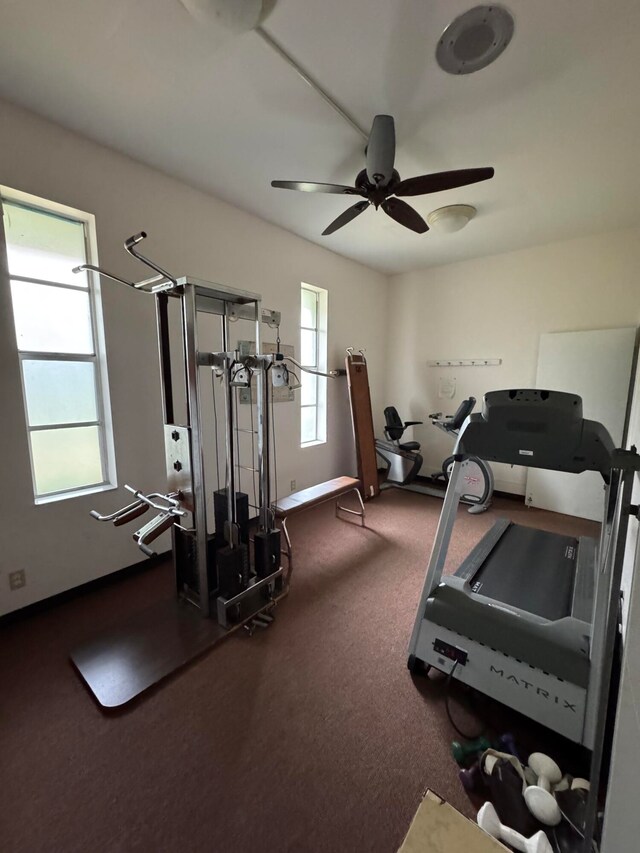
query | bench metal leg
[360, 514]
[289, 551]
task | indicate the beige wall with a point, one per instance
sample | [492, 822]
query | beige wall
[189, 232]
[497, 307]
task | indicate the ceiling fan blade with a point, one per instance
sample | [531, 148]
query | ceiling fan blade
[381, 150]
[440, 181]
[346, 217]
[404, 214]
[311, 187]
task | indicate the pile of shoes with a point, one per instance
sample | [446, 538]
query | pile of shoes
[528, 806]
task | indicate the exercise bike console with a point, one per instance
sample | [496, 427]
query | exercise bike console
[453, 423]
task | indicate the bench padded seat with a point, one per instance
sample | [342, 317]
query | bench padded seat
[306, 498]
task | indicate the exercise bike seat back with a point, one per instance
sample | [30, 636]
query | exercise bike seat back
[395, 428]
[464, 410]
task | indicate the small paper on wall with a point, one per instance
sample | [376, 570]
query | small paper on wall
[447, 387]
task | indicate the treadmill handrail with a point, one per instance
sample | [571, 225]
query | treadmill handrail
[605, 626]
[440, 543]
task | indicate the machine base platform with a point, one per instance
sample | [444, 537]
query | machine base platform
[123, 662]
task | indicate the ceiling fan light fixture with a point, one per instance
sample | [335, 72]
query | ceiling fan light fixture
[451, 218]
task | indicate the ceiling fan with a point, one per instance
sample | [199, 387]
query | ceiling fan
[380, 185]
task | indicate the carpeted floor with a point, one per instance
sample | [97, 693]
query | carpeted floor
[310, 736]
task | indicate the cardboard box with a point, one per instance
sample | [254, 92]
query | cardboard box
[439, 828]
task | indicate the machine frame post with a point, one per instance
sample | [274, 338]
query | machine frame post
[192, 382]
[231, 533]
[164, 350]
[264, 437]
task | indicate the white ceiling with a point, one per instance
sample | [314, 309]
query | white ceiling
[557, 115]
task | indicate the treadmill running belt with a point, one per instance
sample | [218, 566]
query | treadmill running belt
[530, 569]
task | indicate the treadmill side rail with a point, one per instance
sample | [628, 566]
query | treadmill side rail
[585, 579]
[483, 549]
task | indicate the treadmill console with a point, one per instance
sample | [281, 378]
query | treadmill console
[542, 406]
[536, 429]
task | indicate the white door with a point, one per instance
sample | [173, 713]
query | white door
[597, 366]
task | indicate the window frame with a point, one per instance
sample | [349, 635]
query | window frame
[103, 420]
[320, 363]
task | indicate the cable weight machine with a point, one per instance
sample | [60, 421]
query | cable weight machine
[225, 575]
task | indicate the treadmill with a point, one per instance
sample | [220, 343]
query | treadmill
[530, 617]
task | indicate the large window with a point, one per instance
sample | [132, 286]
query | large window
[313, 355]
[59, 337]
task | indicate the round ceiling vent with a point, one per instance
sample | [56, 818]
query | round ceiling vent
[239, 16]
[474, 40]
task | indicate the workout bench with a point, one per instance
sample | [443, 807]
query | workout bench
[313, 496]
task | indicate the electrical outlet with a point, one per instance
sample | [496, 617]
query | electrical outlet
[293, 485]
[17, 580]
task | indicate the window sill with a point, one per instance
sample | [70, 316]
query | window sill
[313, 443]
[76, 493]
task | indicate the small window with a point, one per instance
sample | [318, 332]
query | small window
[60, 342]
[313, 355]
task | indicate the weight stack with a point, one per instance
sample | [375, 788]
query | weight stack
[186, 561]
[266, 552]
[233, 570]
[221, 515]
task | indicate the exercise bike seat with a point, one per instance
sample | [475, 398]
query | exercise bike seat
[395, 427]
